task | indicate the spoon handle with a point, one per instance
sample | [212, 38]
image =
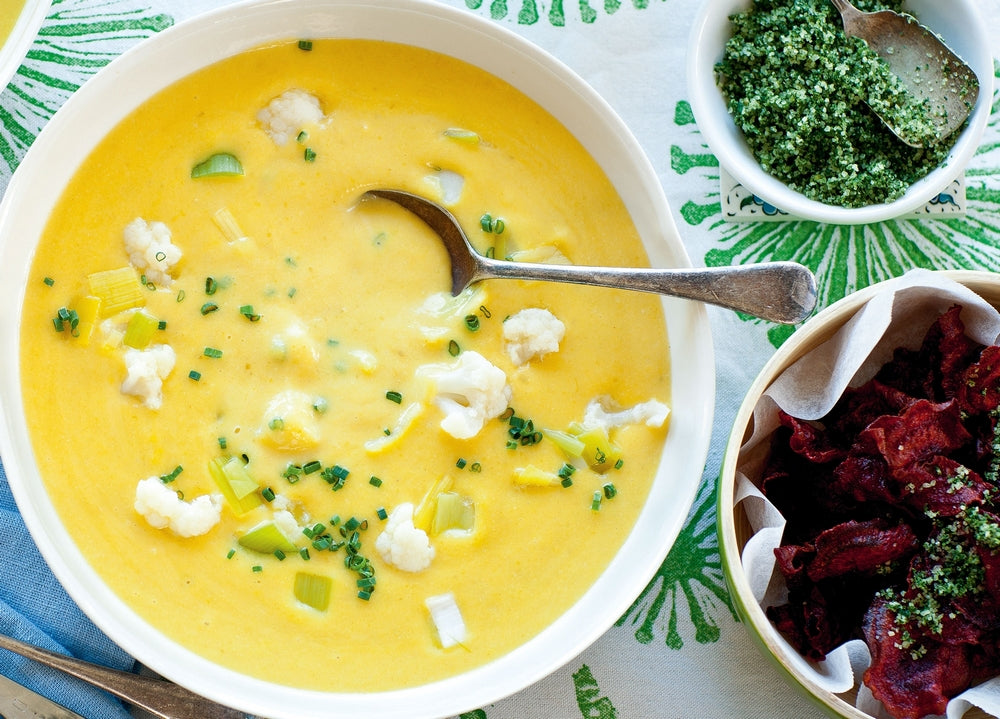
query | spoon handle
[783, 292]
[159, 697]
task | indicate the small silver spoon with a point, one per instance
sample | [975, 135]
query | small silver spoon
[159, 697]
[928, 68]
[782, 292]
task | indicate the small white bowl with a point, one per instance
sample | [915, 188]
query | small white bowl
[22, 35]
[128, 81]
[958, 22]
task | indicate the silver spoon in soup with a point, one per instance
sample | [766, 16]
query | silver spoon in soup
[782, 292]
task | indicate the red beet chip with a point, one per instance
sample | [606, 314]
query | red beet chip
[942, 485]
[912, 683]
[865, 478]
[979, 390]
[921, 431]
[811, 442]
[860, 548]
[809, 626]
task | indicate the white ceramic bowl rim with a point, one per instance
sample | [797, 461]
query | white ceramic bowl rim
[958, 22]
[22, 35]
[119, 88]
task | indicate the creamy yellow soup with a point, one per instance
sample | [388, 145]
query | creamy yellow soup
[10, 11]
[289, 284]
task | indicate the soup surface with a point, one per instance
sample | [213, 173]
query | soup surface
[235, 444]
[10, 11]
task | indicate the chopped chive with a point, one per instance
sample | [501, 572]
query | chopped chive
[230, 554]
[566, 482]
[309, 154]
[609, 490]
[364, 595]
[280, 555]
[161, 325]
[511, 444]
[454, 349]
[302, 137]
[595, 503]
[375, 481]
[291, 292]
[277, 424]
[620, 463]
[472, 323]
[257, 568]
[208, 308]
[381, 513]
[168, 478]
[222, 442]
[351, 524]
[292, 473]
[49, 281]
[460, 463]
[211, 286]
[195, 375]
[181, 294]
[313, 466]
[475, 467]
[268, 494]
[247, 311]
[213, 352]
[306, 45]
[394, 396]
[304, 553]
[567, 470]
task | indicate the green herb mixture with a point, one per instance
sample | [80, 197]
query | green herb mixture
[802, 92]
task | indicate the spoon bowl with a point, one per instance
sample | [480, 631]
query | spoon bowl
[944, 88]
[783, 292]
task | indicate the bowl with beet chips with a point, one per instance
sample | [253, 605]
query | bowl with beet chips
[859, 501]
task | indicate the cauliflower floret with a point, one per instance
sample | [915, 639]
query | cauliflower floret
[403, 545]
[295, 344]
[288, 113]
[532, 332]
[146, 371]
[605, 412]
[469, 391]
[162, 508]
[290, 421]
[151, 251]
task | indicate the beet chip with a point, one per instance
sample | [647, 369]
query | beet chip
[933, 372]
[810, 626]
[980, 387]
[922, 430]
[942, 485]
[860, 548]
[811, 442]
[912, 685]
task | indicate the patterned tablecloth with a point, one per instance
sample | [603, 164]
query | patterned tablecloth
[680, 651]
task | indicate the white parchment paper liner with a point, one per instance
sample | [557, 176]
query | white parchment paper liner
[897, 315]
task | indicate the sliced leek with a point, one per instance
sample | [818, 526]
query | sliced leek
[118, 290]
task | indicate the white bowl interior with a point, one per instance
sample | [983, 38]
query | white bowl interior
[958, 23]
[152, 65]
[17, 44]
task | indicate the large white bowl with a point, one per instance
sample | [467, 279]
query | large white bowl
[141, 72]
[958, 22]
[22, 35]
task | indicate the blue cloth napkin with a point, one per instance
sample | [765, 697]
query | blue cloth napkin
[36, 609]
